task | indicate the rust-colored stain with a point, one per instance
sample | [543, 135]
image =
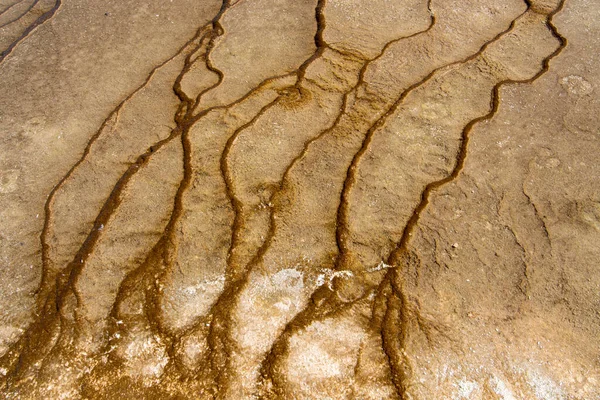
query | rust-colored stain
[332, 199]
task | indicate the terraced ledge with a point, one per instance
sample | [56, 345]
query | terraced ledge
[299, 200]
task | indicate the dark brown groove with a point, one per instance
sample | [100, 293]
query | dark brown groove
[183, 127]
[20, 16]
[402, 250]
[113, 201]
[184, 124]
[320, 43]
[237, 225]
[41, 19]
[219, 309]
[343, 209]
[342, 231]
[304, 317]
[217, 31]
[7, 8]
[317, 311]
[135, 279]
[395, 303]
[462, 154]
[187, 125]
[342, 224]
[66, 283]
[246, 96]
[178, 208]
[382, 293]
[398, 374]
[381, 121]
[307, 145]
[181, 95]
[167, 235]
[160, 250]
[50, 199]
[49, 306]
[236, 204]
[152, 303]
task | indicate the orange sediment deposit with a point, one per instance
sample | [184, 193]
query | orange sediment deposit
[299, 200]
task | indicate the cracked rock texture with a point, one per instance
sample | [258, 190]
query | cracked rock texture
[300, 199]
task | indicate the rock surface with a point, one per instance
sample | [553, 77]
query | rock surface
[316, 199]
